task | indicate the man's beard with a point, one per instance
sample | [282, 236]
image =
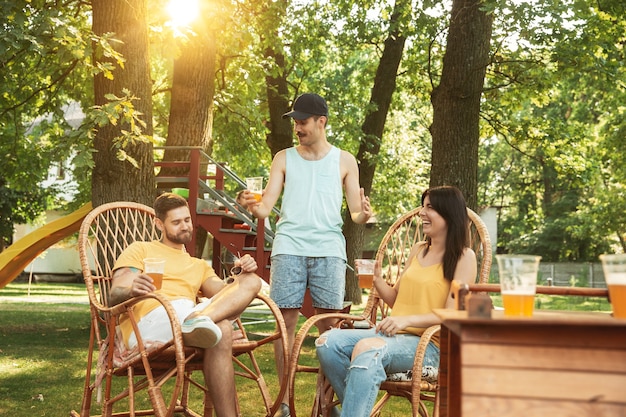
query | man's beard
[182, 238]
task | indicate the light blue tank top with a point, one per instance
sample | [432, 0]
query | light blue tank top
[310, 215]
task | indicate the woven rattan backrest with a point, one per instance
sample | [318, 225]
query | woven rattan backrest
[105, 232]
[395, 247]
[481, 244]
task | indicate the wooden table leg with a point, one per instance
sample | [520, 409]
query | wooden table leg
[444, 336]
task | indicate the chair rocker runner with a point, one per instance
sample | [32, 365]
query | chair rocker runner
[163, 370]
[418, 384]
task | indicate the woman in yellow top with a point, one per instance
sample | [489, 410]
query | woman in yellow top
[357, 361]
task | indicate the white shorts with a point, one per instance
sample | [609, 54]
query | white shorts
[155, 326]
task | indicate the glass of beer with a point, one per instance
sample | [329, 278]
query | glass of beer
[518, 282]
[154, 267]
[255, 186]
[614, 267]
[365, 272]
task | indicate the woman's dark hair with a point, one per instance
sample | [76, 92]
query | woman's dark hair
[166, 202]
[448, 201]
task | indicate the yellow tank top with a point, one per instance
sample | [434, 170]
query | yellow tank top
[421, 290]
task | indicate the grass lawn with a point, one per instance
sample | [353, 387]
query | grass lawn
[44, 335]
[43, 348]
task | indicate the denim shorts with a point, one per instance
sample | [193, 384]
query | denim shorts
[291, 275]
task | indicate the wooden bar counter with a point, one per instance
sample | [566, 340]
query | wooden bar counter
[555, 364]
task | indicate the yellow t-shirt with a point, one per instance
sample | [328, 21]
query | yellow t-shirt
[182, 278]
[421, 290]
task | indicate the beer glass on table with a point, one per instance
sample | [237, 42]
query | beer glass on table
[614, 267]
[518, 282]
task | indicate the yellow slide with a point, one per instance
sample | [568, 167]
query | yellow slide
[15, 258]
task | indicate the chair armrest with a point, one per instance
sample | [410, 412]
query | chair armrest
[126, 308]
[344, 320]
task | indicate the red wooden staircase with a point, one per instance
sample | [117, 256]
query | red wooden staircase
[213, 208]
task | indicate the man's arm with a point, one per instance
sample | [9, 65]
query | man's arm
[127, 283]
[272, 190]
[358, 203]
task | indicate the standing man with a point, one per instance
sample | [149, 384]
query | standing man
[206, 325]
[309, 248]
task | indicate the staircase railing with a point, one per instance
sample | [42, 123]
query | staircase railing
[203, 184]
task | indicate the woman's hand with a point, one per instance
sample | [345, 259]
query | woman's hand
[390, 326]
[378, 271]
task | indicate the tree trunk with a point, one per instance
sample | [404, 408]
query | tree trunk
[280, 134]
[281, 130]
[456, 101]
[373, 127]
[113, 179]
[191, 106]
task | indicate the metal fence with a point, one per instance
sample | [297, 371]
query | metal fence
[565, 274]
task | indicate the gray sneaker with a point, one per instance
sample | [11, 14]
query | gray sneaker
[283, 411]
[201, 332]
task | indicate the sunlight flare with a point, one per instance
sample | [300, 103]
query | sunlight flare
[183, 12]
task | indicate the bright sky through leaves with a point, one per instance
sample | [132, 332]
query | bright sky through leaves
[183, 12]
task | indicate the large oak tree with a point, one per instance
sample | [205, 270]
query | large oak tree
[123, 159]
[456, 100]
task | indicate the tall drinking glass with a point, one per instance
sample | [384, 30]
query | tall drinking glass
[614, 267]
[154, 267]
[518, 281]
[365, 272]
[255, 186]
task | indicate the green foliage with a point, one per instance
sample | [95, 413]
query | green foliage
[553, 134]
[120, 110]
[42, 52]
[546, 164]
[18, 207]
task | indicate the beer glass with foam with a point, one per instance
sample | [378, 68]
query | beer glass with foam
[614, 267]
[365, 272]
[518, 282]
[154, 267]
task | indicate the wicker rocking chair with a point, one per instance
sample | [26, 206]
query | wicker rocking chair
[418, 384]
[162, 371]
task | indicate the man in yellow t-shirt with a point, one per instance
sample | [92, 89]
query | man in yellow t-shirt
[207, 325]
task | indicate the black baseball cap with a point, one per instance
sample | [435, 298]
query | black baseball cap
[307, 105]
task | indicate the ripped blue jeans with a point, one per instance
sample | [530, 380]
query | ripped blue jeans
[356, 382]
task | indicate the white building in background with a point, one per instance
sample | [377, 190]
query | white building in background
[489, 216]
[59, 174]
[61, 258]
